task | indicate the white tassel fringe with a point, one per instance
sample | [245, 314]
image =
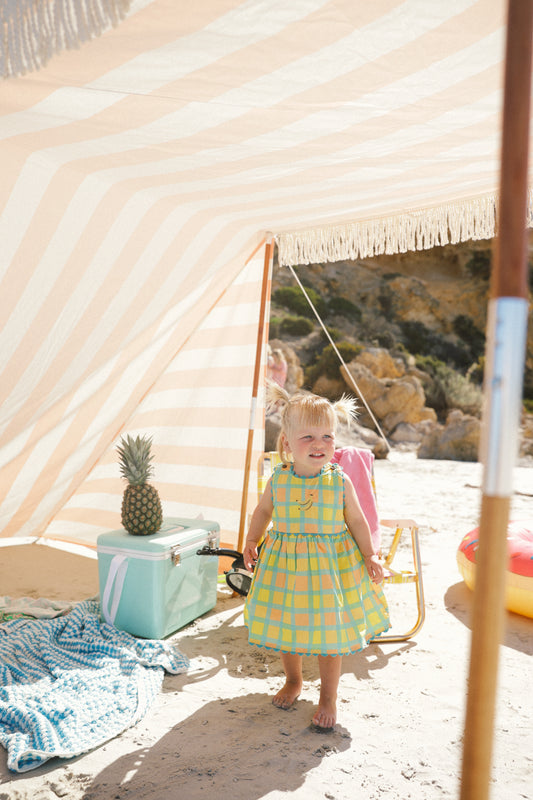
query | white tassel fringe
[34, 30]
[417, 230]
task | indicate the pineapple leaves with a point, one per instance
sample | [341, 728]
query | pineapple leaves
[141, 506]
[135, 459]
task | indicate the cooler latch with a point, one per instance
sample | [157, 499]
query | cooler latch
[177, 550]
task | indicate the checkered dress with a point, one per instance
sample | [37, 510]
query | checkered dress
[311, 593]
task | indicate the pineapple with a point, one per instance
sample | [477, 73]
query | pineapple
[141, 506]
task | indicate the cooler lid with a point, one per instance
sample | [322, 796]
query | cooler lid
[173, 532]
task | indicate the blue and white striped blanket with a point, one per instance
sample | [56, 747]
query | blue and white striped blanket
[71, 683]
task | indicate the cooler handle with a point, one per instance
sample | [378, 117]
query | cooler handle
[115, 581]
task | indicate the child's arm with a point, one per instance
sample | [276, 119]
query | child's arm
[360, 531]
[258, 525]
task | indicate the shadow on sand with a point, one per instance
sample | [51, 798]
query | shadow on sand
[223, 760]
[226, 746]
[518, 630]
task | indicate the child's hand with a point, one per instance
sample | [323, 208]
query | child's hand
[374, 567]
[249, 556]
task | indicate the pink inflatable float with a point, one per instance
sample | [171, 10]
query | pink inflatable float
[519, 575]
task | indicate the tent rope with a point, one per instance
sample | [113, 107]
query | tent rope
[345, 371]
[34, 31]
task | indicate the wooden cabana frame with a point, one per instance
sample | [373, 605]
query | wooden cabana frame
[507, 328]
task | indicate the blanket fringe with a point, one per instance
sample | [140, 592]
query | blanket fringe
[474, 218]
[34, 30]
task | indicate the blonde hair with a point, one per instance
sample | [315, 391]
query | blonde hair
[307, 409]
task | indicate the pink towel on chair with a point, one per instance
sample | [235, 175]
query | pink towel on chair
[358, 465]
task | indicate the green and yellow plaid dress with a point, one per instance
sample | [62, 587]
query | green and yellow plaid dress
[311, 593]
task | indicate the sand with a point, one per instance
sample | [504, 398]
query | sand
[213, 732]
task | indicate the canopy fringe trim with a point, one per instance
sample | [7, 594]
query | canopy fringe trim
[417, 230]
[32, 31]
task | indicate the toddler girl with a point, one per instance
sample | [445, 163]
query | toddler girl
[314, 588]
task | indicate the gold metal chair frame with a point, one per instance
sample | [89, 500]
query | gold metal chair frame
[404, 576]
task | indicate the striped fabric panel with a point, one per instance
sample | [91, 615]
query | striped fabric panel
[388, 87]
[198, 413]
[139, 173]
[76, 393]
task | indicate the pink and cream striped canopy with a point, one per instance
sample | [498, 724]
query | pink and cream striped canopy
[140, 176]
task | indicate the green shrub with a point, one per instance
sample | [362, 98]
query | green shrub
[428, 364]
[528, 384]
[292, 298]
[419, 340]
[470, 334]
[334, 334]
[445, 388]
[345, 308]
[387, 340]
[415, 336]
[479, 264]
[400, 349]
[273, 327]
[385, 301]
[476, 371]
[528, 406]
[452, 353]
[462, 393]
[328, 363]
[295, 326]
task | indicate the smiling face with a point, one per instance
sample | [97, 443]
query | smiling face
[308, 427]
[311, 446]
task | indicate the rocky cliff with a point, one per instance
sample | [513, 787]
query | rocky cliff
[411, 331]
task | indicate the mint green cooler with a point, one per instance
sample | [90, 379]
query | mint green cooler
[151, 586]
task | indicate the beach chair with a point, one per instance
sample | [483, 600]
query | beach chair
[358, 464]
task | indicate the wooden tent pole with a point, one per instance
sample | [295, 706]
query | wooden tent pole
[507, 329]
[265, 293]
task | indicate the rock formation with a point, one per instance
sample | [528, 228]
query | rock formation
[457, 440]
[415, 324]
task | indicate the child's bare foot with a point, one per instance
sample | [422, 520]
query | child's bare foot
[287, 695]
[325, 717]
